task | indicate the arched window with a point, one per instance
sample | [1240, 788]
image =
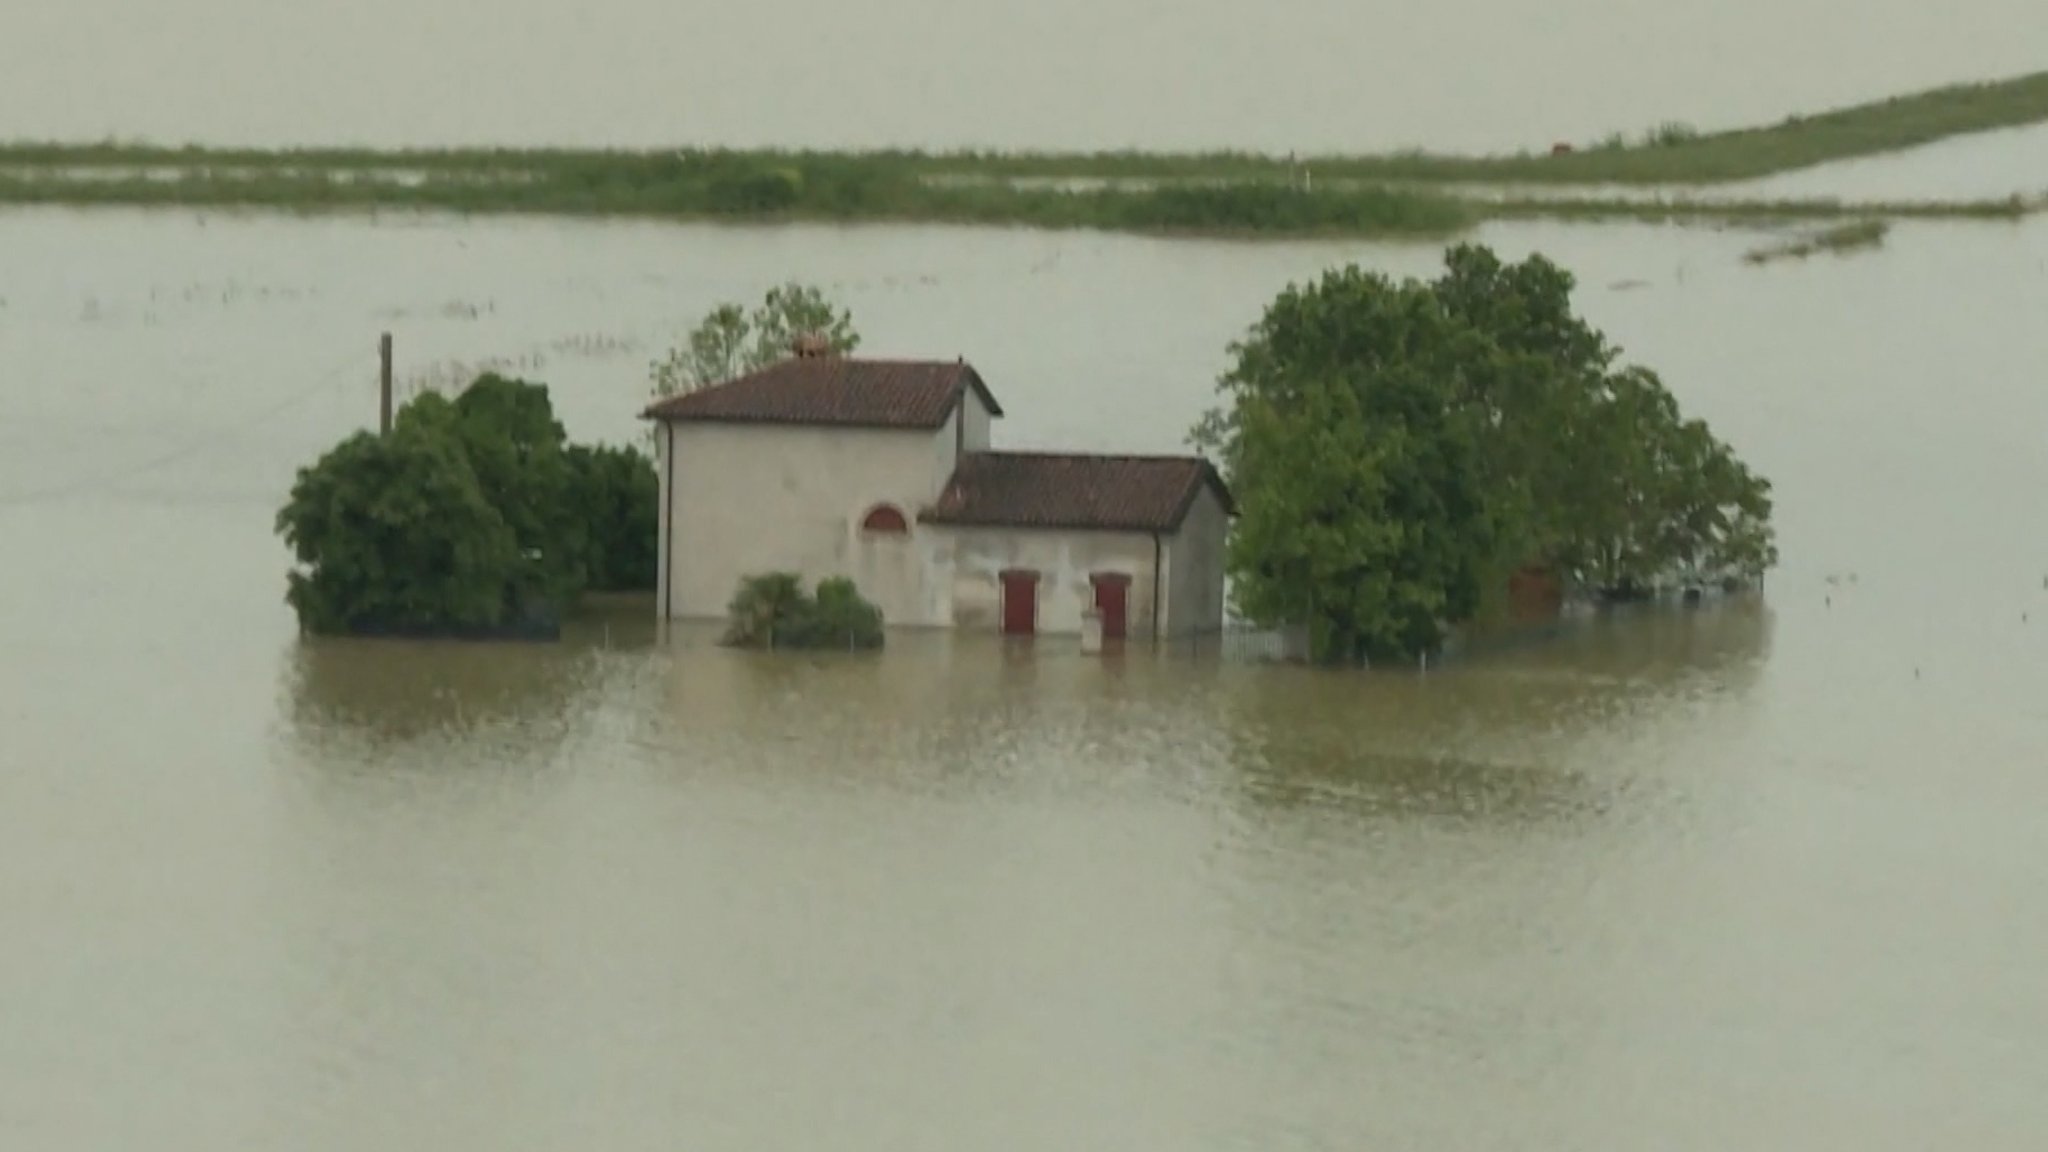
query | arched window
[885, 518]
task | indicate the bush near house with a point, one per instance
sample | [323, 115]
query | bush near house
[618, 492]
[395, 533]
[475, 516]
[772, 610]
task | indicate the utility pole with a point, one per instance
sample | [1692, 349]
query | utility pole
[384, 384]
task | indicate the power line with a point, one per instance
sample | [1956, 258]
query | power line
[105, 482]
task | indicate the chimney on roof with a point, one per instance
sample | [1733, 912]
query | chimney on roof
[811, 346]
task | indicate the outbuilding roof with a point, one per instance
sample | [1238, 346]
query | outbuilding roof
[1071, 491]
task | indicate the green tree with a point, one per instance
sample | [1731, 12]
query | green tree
[1398, 449]
[396, 532]
[1661, 496]
[791, 310]
[1593, 467]
[517, 448]
[731, 342]
[618, 496]
[1362, 514]
[719, 348]
[472, 512]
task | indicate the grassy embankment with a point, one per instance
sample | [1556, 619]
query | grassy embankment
[1211, 193]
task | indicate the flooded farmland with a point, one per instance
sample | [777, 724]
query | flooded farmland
[1758, 875]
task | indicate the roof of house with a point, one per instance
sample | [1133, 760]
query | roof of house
[1062, 491]
[836, 391]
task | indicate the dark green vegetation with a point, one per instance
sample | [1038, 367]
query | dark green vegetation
[1848, 237]
[838, 189]
[772, 610]
[1399, 448]
[615, 489]
[1684, 209]
[473, 514]
[1406, 194]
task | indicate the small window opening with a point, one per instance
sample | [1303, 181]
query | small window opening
[885, 518]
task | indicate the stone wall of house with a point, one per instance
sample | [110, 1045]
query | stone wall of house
[975, 419]
[751, 498]
[1194, 565]
[976, 558]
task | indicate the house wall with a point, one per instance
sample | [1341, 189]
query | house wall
[975, 420]
[749, 498]
[662, 454]
[976, 557]
[1194, 568]
[966, 430]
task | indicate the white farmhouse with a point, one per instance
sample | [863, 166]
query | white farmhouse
[881, 470]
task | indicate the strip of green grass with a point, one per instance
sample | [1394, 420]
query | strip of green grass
[1671, 154]
[1248, 209]
[1682, 210]
[1243, 209]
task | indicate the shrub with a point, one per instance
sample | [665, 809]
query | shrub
[839, 617]
[396, 532]
[508, 432]
[473, 513]
[772, 610]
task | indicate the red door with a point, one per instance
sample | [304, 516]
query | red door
[1112, 602]
[1020, 602]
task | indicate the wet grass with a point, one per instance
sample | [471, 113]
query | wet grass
[1671, 153]
[833, 194]
[1756, 213]
[1851, 236]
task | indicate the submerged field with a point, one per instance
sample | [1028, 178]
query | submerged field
[1765, 871]
[1406, 194]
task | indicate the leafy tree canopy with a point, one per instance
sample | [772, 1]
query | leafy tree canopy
[1398, 448]
[508, 430]
[473, 512]
[396, 532]
[618, 494]
[1357, 476]
[730, 341]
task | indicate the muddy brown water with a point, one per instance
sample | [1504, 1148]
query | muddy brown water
[1755, 876]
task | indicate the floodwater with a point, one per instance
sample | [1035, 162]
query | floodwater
[1294, 74]
[1754, 876]
[1985, 165]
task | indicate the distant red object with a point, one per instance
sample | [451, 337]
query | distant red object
[1112, 600]
[1020, 601]
[1535, 593]
[1560, 149]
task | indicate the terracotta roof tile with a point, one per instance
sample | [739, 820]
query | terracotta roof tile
[1047, 490]
[834, 391]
